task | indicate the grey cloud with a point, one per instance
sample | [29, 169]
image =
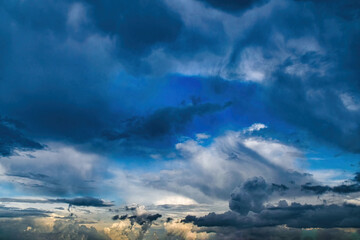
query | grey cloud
[83, 201]
[295, 215]
[11, 138]
[341, 189]
[40, 173]
[352, 186]
[11, 212]
[252, 195]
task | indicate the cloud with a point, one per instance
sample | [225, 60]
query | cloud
[212, 171]
[11, 138]
[83, 201]
[252, 195]
[233, 6]
[40, 172]
[311, 73]
[79, 201]
[186, 231]
[137, 27]
[135, 225]
[26, 229]
[164, 121]
[11, 212]
[349, 187]
[294, 215]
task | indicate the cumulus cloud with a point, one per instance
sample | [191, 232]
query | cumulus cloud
[252, 195]
[134, 226]
[214, 170]
[185, 231]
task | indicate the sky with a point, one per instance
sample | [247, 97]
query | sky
[187, 119]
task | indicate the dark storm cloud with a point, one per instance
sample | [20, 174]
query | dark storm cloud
[11, 212]
[350, 186]
[250, 196]
[164, 121]
[11, 138]
[83, 201]
[295, 215]
[234, 6]
[248, 209]
[341, 189]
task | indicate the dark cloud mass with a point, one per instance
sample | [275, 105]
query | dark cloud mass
[233, 6]
[12, 139]
[83, 201]
[295, 215]
[250, 197]
[11, 212]
[249, 209]
[342, 189]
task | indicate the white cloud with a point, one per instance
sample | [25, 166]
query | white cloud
[350, 102]
[59, 169]
[255, 127]
[202, 136]
[186, 231]
[280, 154]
